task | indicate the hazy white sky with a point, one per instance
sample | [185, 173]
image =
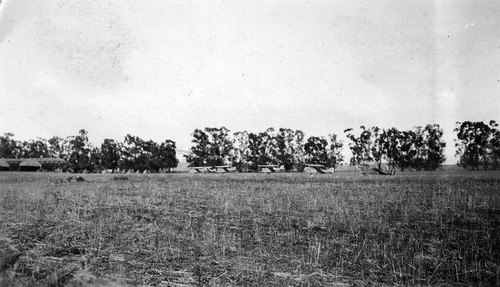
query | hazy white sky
[159, 69]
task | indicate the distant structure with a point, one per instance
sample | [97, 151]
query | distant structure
[4, 165]
[32, 164]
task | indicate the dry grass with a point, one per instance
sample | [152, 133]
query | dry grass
[250, 229]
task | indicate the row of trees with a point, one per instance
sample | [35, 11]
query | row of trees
[286, 147]
[420, 148]
[133, 153]
[478, 145]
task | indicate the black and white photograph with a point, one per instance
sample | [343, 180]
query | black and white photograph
[249, 143]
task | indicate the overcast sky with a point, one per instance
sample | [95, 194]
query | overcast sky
[159, 69]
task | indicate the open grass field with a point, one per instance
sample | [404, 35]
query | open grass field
[439, 228]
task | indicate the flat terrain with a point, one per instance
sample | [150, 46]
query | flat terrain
[419, 228]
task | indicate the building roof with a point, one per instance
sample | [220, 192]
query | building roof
[30, 162]
[4, 163]
[47, 160]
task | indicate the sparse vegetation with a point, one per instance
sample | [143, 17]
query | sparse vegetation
[250, 229]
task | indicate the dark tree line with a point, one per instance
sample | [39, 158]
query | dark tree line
[421, 148]
[247, 150]
[478, 145]
[133, 153]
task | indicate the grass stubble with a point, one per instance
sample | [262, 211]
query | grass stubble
[250, 229]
